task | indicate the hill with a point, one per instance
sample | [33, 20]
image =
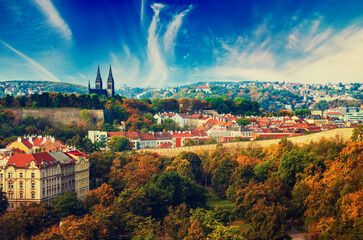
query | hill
[22, 87]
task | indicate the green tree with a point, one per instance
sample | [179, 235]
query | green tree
[243, 121]
[68, 204]
[119, 144]
[3, 202]
[302, 112]
[85, 116]
[357, 135]
[28, 220]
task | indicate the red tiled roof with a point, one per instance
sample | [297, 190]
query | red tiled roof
[182, 135]
[165, 145]
[76, 153]
[199, 133]
[132, 135]
[161, 136]
[26, 143]
[37, 142]
[21, 160]
[147, 136]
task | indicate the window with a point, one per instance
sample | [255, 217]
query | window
[21, 196]
[1, 176]
[1, 186]
[21, 185]
[11, 205]
[33, 196]
[10, 195]
[10, 175]
[33, 175]
[33, 185]
[21, 175]
[10, 185]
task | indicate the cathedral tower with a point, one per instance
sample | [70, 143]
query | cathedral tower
[98, 79]
[110, 84]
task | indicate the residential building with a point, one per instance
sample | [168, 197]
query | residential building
[81, 173]
[33, 144]
[40, 177]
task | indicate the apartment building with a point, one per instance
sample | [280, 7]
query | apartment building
[40, 177]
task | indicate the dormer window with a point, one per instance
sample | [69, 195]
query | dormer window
[10, 175]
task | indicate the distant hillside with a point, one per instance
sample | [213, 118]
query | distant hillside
[18, 87]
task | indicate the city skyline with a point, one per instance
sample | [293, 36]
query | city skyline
[164, 43]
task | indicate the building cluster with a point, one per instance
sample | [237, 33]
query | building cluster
[38, 169]
[224, 128]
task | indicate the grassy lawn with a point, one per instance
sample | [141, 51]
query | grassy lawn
[214, 201]
[243, 227]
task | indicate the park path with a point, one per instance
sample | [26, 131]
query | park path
[295, 234]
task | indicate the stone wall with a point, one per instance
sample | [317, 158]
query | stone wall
[60, 115]
[344, 133]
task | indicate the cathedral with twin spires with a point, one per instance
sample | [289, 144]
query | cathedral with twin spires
[110, 91]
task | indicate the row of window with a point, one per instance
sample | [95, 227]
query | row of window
[21, 196]
[21, 186]
[10, 175]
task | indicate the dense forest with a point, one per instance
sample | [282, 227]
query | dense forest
[316, 186]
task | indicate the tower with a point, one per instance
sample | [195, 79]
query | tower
[98, 84]
[110, 84]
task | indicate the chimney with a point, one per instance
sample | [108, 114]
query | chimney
[19, 139]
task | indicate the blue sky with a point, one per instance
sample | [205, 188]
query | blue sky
[169, 43]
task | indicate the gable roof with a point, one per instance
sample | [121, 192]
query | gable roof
[40, 159]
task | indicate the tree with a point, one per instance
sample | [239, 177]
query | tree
[263, 205]
[3, 202]
[195, 231]
[85, 116]
[357, 135]
[119, 144]
[68, 204]
[28, 220]
[100, 164]
[177, 222]
[302, 112]
[243, 121]
[104, 195]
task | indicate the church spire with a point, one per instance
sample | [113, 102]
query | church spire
[110, 84]
[110, 77]
[98, 79]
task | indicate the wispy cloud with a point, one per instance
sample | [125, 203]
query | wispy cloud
[33, 64]
[325, 55]
[172, 30]
[142, 10]
[306, 36]
[159, 71]
[54, 18]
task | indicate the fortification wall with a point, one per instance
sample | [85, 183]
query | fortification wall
[344, 133]
[60, 115]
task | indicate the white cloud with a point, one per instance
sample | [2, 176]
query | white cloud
[306, 36]
[54, 17]
[142, 10]
[172, 31]
[125, 69]
[327, 55]
[33, 64]
[159, 71]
